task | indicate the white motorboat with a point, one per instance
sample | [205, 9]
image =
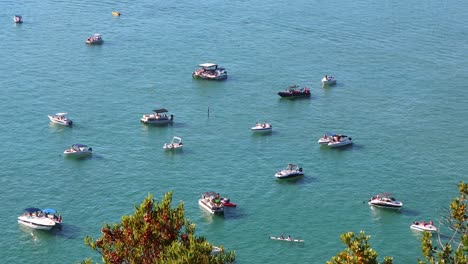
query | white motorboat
[158, 118]
[176, 143]
[95, 39]
[291, 171]
[262, 128]
[211, 202]
[328, 80]
[424, 226]
[385, 200]
[210, 71]
[216, 250]
[18, 19]
[335, 140]
[61, 119]
[287, 239]
[52, 214]
[78, 150]
[36, 219]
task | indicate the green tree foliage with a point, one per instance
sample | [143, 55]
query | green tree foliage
[155, 233]
[358, 251]
[455, 250]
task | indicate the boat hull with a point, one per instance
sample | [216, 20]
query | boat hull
[427, 228]
[387, 206]
[340, 144]
[206, 207]
[261, 130]
[216, 77]
[41, 224]
[66, 122]
[173, 147]
[293, 96]
[287, 239]
[289, 175]
[79, 154]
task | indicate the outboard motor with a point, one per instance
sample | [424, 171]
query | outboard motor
[172, 117]
[300, 169]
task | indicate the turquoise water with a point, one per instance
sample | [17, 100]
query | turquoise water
[401, 94]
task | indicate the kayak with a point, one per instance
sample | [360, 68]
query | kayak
[287, 239]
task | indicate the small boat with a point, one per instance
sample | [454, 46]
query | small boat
[95, 39]
[291, 171]
[328, 80]
[424, 226]
[384, 200]
[210, 71]
[78, 150]
[287, 239]
[262, 128]
[52, 214]
[18, 19]
[116, 13]
[216, 250]
[211, 202]
[35, 218]
[294, 91]
[61, 119]
[335, 140]
[158, 118]
[176, 143]
[227, 202]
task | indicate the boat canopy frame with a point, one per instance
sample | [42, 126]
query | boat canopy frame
[161, 110]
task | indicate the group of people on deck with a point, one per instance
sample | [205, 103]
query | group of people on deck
[424, 223]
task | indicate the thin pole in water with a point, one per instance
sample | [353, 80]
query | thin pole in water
[208, 111]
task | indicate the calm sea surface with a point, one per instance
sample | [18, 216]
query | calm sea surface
[401, 95]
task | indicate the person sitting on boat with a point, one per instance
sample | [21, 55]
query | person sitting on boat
[289, 238]
[282, 237]
[431, 223]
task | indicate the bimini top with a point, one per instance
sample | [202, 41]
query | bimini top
[49, 211]
[208, 65]
[32, 209]
[77, 146]
[212, 194]
[162, 110]
[61, 114]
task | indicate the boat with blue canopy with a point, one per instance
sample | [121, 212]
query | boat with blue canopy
[52, 214]
[35, 218]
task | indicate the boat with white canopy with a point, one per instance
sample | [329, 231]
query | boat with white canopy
[210, 71]
[176, 143]
[159, 117]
